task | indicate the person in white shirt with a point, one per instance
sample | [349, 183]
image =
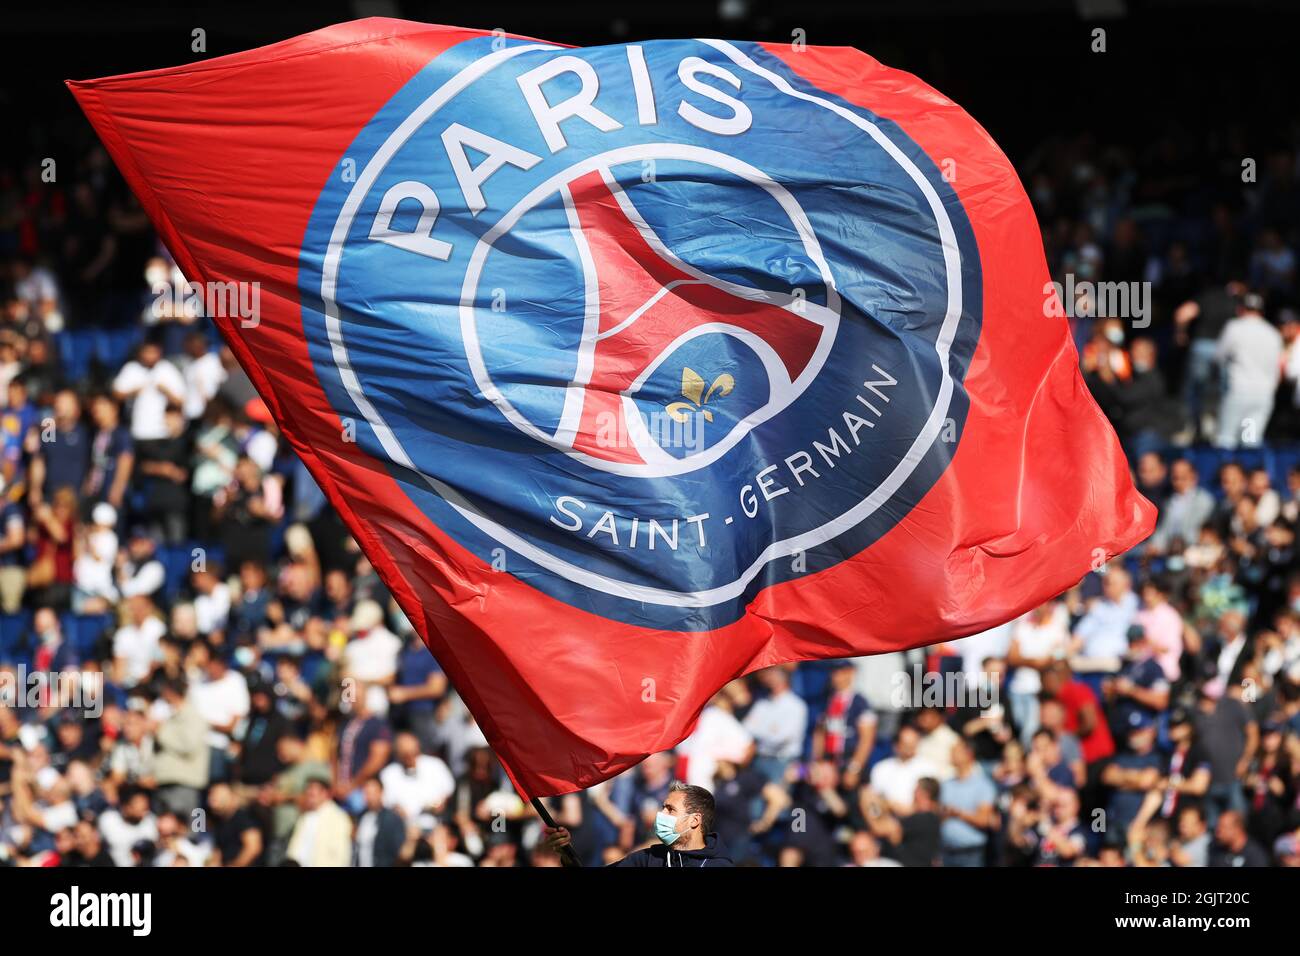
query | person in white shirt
[371, 656]
[442, 845]
[323, 834]
[38, 289]
[151, 383]
[937, 739]
[178, 845]
[1037, 639]
[1232, 640]
[261, 442]
[864, 850]
[135, 645]
[414, 782]
[778, 723]
[221, 698]
[93, 569]
[211, 601]
[895, 778]
[204, 375]
[1250, 352]
[125, 827]
[977, 648]
[717, 736]
[1268, 503]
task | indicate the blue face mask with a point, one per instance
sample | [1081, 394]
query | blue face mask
[666, 827]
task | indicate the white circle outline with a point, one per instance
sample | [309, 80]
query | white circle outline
[777, 549]
[781, 397]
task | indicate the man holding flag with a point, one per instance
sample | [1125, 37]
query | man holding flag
[684, 827]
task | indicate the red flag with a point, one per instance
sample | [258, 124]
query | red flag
[634, 369]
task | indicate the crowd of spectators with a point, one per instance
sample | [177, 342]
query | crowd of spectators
[264, 701]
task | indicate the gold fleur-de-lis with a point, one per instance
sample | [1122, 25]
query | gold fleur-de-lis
[696, 397]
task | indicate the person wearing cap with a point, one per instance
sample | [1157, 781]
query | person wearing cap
[1140, 685]
[260, 442]
[1286, 849]
[1250, 353]
[93, 588]
[1187, 774]
[1269, 783]
[1133, 772]
[371, 655]
[259, 738]
[141, 573]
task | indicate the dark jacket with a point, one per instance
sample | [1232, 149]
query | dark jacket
[389, 838]
[713, 854]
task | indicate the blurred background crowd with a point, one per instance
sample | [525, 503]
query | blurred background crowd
[266, 703]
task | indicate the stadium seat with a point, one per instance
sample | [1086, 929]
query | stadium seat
[1285, 457]
[86, 632]
[14, 636]
[176, 560]
[76, 347]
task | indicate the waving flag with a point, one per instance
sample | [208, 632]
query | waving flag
[636, 368]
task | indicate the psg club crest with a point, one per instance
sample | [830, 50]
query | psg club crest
[651, 327]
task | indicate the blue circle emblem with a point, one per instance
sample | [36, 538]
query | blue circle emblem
[649, 327]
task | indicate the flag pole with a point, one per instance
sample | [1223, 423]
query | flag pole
[566, 852]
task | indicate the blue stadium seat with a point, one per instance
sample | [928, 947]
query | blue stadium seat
[1206, 460]
[1250, 458]
[1285, 457]
[86, 631]
[113, 346]
[76, 346]
[176, 559]
[13, 636]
